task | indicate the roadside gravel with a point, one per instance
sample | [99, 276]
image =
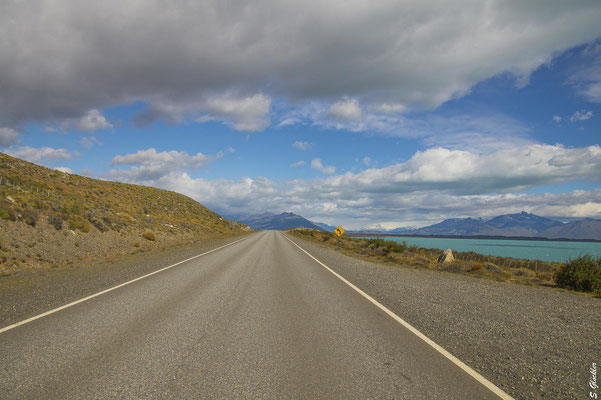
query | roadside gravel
[532, 342]
[33, 291]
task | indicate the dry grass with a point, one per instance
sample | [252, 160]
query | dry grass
[473, 264]
[40, 206]
[29, 191]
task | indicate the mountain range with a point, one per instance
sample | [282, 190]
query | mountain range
[281, 221]
[516, 225]
[510, 225]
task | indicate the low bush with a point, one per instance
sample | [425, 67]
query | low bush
[8, 214]
[56, 221]
[582, 274]
[30, 216]
[77, 222]
[149, 235]
[125, 217]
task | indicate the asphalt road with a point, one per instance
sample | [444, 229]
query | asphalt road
[256, 319]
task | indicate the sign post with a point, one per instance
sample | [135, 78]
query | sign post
[339, 232]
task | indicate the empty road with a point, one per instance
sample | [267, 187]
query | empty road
[258, 318]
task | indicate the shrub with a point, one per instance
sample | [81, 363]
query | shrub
[137, 243]
[476, 267]
[30, 216]
[77, 222]
[56, 221]
[149, 235]
[125, 217]
[8, 214]
[582, 274]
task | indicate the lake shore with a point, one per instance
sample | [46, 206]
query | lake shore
[533, 238]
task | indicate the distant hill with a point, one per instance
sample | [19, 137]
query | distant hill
[585, 229]
[48, 217]
[283, 221]
[325, 227]
[522, 224]
[404, 229]
[460, 227]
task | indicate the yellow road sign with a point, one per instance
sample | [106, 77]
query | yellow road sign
[339, 231]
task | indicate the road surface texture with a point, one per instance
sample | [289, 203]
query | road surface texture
[259, 318]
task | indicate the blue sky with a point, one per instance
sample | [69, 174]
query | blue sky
[391, 114]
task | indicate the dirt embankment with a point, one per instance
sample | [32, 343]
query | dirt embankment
[52, 219]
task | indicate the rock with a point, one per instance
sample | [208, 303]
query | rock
[10, 199]
[446, 257]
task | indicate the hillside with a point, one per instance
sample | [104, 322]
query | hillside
[281, 221]
[50, 218]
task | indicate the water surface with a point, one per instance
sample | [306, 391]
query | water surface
[557, 251]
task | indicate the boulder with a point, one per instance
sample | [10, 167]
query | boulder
[446, 257]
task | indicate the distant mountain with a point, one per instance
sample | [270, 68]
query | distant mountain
[460, 227]
[522, 224]
[404, 229]
[325, 227]
[584, 229]
[283, 221]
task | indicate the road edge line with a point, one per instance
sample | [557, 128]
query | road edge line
[54, 310]
[489, 385]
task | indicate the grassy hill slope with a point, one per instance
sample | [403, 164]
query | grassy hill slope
[50, 218]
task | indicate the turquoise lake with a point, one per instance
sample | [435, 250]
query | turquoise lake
[528, 249]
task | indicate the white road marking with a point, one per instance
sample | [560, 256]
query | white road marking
[491, 386]
[8, 328]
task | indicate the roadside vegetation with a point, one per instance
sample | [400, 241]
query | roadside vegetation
[581, 274]
[51, 218]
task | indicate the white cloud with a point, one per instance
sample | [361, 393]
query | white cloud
[89, 141]
[346, 109]
[93, 120]
[581, 116]
[318, 165]
[388, 108]
[480, 133]
[37, 155]
[288, 121]
[557, 118]
[247, 113]
[298, 164]
[152, 157]
[65, 170]
[8, 136]
[367, 161]
[419, 54]
[150, 165]
[302, 145]
[433, 185]
[465, 172]
[587, 80]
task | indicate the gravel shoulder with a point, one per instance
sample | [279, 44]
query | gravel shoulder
[532, 342]
[32, 291]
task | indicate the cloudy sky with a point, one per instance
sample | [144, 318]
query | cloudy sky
[360, 113]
